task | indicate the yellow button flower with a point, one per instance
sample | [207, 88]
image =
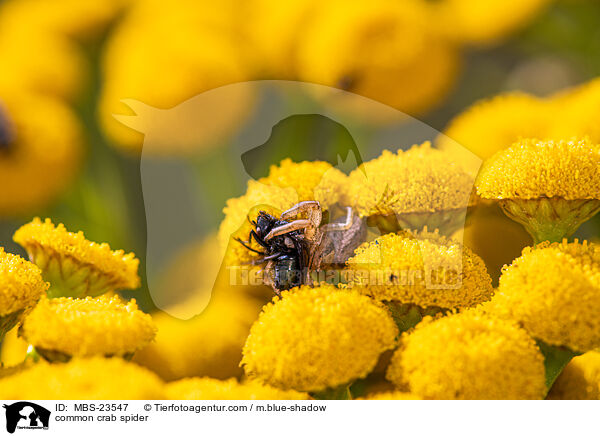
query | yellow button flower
[469, 356]
[101, 326]
[72, 18]
[411, 189]
[580, 380]
[550, 187]
[423, 269]
[483, 23]
[173, 72]
[393, 395]
[578, 119]
[553, 291]
[317, 338]
[28, 124]
[21, 285]
[212, 389]
[494, 124]
[73, 265]
[422, 67]
[209, 344]
[83, 379]
[61, 73]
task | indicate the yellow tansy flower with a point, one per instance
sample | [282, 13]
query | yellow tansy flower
[550, 187]
[62, 71]
[580, 380]
[83, 379]
[314, 180]
[411, 189]
[71, 18]
[212, 389]
[553, 291]
[28, 125]
[375, 30]
[469, 356]
[393, 395]
[73, 265]
[209, 344]
[482, 23]
[174, 71]
[61, 328]
[494, 124]
[423, 269]
[532, 168]
[317, 338]
[21, 285]
[579, 118]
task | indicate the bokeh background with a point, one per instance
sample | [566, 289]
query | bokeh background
[67, 66]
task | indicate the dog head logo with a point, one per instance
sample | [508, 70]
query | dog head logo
[26, 415]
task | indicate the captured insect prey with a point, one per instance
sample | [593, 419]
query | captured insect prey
[294, 248]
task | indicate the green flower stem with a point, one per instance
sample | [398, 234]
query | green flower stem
[338, 393]
[407, 316]
[555, 359]
[550, 219]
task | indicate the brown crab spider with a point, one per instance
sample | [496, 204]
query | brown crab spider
[311, 225]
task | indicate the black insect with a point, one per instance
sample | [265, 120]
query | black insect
[293, 248]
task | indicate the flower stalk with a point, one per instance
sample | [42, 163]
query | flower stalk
[550, 219]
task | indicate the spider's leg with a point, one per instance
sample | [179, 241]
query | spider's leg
[336, 227]
[287, 228]
[313, 214]
[303, 206]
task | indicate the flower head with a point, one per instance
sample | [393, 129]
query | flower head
[21, 283]
[419, 180]
[375, 30]
[176, 68]
[579, 120]
[483, 23]
[83, 379]
[553, 291]
[95, 326]
[29, 124]
[580, 380]
[212, 389]
[219, 332]
[393, 395]
[316, 180]
[73, 265]
[317, 338]
[469, 356]
[425, 269]
[531, 169]
[491, 125]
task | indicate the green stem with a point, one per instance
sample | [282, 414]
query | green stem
[555, 360]
[550, 219]
[338, 393]
[407, 316]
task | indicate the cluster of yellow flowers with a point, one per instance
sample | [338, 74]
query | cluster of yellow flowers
[416, 318]
[413, 44]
